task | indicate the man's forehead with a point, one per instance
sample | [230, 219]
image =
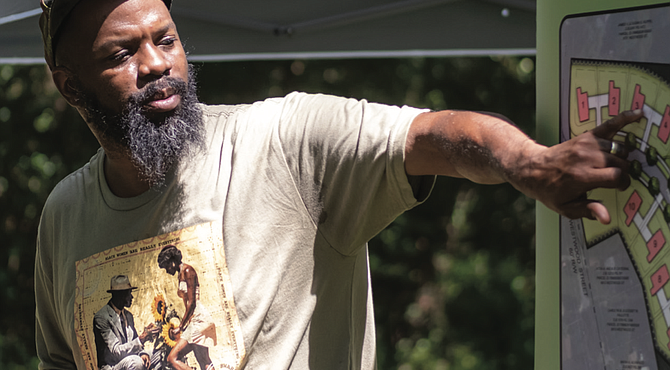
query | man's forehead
[56, 14]
[94, 25]
[97, 12]
[117, 23]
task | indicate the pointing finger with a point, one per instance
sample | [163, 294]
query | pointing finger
[608, 129]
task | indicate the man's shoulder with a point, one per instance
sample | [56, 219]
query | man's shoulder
[103, 313]
[211, 110]
[220, 110]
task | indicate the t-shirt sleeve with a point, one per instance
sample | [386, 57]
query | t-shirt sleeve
[52, 348]
[347, 160]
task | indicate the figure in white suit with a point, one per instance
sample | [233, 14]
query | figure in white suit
[116, 341]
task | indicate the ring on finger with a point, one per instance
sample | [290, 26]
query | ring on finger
[616, 148]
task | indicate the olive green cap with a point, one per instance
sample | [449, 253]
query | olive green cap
[54, 13]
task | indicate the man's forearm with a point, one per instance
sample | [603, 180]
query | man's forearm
[488, 149]
[482, 147]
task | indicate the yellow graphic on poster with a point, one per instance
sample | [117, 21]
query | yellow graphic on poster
[164, 301]
[640, 214]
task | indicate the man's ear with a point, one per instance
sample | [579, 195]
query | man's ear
[65, 83]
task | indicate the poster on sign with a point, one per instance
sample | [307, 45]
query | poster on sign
[615, 296]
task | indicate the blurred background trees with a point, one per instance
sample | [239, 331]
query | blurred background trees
[453, 279]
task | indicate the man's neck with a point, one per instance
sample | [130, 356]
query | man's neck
[116, 309]
[122, 177]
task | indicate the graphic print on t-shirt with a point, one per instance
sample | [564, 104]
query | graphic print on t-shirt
[164, 287]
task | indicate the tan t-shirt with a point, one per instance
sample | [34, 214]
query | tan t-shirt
[299, 185]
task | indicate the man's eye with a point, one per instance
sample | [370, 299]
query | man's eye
[121, 55]
[168, 41]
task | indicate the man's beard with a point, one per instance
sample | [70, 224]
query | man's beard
[154, 144]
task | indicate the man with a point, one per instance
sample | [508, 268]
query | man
[116, 341]
[299, 183]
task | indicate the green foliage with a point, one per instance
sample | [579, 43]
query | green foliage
[41, 141]
[453, 279]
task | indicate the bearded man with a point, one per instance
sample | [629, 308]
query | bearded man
[299, 183]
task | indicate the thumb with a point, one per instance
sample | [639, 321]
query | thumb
[599, 212]
[591, 209]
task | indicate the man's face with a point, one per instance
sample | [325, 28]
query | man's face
[120, 46]
[135, 88]
[129, 299]
[124, 299]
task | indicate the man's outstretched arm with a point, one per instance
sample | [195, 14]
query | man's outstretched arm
[487, 149]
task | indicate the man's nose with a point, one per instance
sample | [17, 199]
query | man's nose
[153, 62]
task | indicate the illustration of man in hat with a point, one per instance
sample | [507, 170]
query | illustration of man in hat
[116, 341]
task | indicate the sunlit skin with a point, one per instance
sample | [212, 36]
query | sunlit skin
[486, 149]
[114, 48]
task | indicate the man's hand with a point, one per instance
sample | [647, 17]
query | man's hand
[561, 175]
[149, 332]
[146, 360]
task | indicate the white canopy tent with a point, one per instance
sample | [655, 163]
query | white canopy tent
[218, 30]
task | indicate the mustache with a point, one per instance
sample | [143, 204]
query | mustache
[154, 89]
